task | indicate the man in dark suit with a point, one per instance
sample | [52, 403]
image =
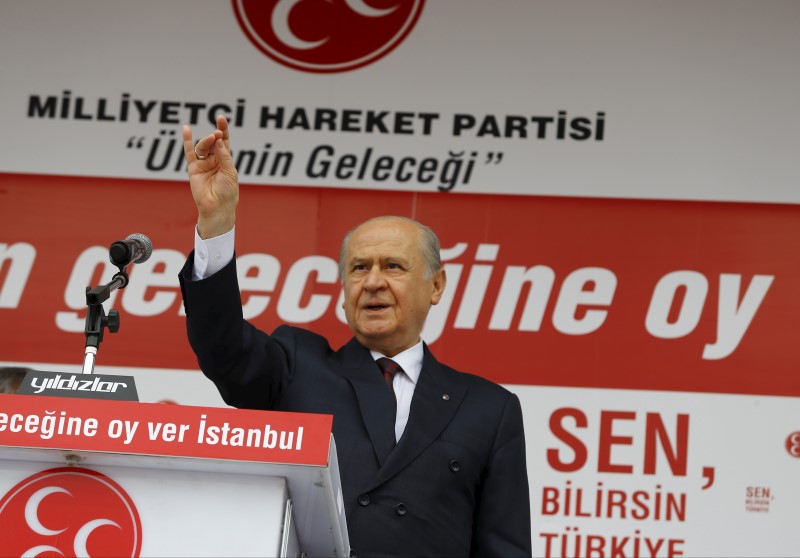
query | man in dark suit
[432, 460]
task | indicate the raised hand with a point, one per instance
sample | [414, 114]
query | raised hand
[213, 179]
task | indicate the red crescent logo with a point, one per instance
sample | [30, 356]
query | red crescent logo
[325, 36]
[69, 511]
[793, 444]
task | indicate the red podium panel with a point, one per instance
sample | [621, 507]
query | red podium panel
[107, 478]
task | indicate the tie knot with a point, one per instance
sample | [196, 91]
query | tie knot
[388, 366]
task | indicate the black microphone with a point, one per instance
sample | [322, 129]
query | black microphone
[137, 248]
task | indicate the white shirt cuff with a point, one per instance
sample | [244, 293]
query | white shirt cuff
[212, 254]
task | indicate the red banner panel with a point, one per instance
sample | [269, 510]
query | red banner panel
[157, 429]
[666, 295]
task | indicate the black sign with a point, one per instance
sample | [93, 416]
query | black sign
[87, 386]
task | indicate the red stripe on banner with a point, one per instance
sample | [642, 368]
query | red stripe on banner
[165, 430]
[665, 295]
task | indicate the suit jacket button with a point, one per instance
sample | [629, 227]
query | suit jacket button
[363, 500]
[400, 509]
[455, 466]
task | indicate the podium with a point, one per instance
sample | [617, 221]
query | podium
[85, 477]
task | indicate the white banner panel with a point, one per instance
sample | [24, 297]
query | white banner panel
[677, 100]
[644, 473]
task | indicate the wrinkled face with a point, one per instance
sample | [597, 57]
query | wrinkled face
[386, 294]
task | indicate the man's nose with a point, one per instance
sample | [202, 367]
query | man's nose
[374, 279]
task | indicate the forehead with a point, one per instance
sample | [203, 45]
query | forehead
[384, 237]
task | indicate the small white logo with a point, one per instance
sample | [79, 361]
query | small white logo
[72, 383]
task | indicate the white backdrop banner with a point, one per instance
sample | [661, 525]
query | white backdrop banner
[677, 100]
[614, 184]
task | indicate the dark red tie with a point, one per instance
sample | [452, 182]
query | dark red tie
[389, 369]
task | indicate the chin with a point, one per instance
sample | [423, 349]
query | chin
[375, 339]
[375, 336]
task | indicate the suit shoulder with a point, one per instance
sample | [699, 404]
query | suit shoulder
[301, 345]
[300, 336]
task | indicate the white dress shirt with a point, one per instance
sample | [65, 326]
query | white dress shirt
[212, 254]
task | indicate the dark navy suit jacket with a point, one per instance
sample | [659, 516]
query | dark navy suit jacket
[454, 485]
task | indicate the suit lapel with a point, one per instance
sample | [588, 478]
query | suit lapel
[374, 400]
[437, 396]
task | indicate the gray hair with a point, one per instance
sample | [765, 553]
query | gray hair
[429, 246]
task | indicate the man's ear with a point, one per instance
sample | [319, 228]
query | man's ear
[439, 283]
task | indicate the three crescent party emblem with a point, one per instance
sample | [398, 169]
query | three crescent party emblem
[69, 511]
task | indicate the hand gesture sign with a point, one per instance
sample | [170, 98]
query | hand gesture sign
[213, 178]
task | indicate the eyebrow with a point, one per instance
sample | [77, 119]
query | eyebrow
[387, 259]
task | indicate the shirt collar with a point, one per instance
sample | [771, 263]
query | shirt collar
[409, 360]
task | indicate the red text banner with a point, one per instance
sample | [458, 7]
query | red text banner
[164, 430]
[683, 296]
